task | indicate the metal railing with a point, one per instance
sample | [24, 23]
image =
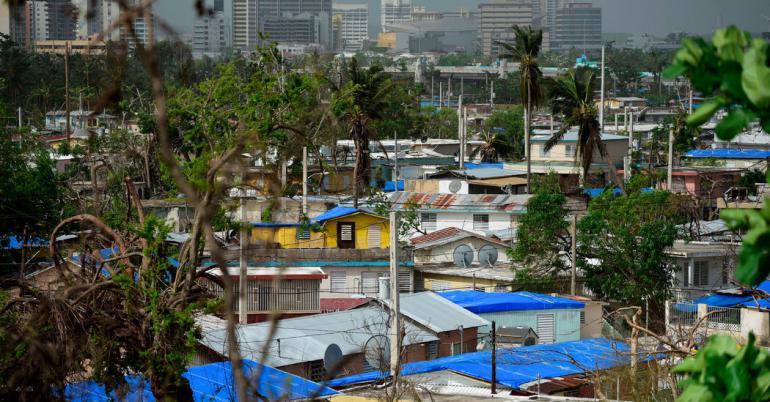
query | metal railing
[725, 319]
[682, 314]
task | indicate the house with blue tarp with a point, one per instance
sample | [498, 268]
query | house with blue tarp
[210, 382]
[731, 158]
[554, 319]
[517, 368]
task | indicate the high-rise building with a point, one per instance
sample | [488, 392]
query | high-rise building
[276, 16]
[212, 34]
[395, 12]
[496, 17]
[62, 19]
[245, 25]
[353, 26]
[578, 26]
[110, 11]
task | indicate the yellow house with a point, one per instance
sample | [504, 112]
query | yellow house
[340, 227]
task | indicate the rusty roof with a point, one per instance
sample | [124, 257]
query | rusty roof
[472, 203]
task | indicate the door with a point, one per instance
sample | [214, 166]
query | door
[346, 235]
[374, 236]
[545, 328]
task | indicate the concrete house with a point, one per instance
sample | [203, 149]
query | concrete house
[441, 247]
[554, 319]
[472, 212]
[704, 266]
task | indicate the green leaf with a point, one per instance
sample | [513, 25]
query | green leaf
[704, 112]
[756, 74]
[732, 124]
[730, 43]
[696, 393]
[674, 71]
[690, 365]
[739, 218]
[753, 264]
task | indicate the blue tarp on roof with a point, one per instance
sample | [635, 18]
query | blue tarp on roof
[490, 302]
[210, 382]
[338, 212]
[273, 224]
[729, 153]
[595, 192]
[469, 165]
[729, 300]
[14, 243]
[391, 186]
[517, 366]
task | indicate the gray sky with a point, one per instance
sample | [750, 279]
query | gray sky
[656, 17]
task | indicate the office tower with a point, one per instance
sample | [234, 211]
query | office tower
[311, 20]
[354, 25]
[578, 26]
[212, 34]
[496, 17]
[395, 12]
[245, 25]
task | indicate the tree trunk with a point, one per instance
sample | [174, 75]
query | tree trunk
[181, 392]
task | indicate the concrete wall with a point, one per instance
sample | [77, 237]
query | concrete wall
[445, 253]
[438, 282]
[464, 220]
[592, 324]
[616, 150]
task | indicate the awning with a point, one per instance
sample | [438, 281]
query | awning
[500, 182]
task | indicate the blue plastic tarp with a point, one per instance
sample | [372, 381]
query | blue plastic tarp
[336, 212]
[14, 243]
[211, 382]
[490, 302]
[595, 192]
[722, 300]
[729, 153]
[517, 366]
[497, 165]
[391, 186]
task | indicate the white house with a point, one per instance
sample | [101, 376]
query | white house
[442, 246]
[477, 213]
[703, 267]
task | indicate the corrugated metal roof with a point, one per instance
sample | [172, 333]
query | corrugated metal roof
[437, 313]
[478, 203]
[729, 153]
[305, 339]
[481, 173]
[210, 382]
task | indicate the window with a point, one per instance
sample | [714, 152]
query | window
[428, 221]
[374, 236]
[432, 350]
[370, 282]
[569, 150]
[501, 288]
[457, 349]
[439, 285]
[338, 281]
[480, 222]
[303, 233]
[543, 152]
[582, 317]
[701, 273]
[545, 328]
[346, 232]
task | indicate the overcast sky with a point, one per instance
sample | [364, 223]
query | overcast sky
[656, 17]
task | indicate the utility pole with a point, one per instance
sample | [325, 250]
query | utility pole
[670, 159]
[492, 94]
[494, 357]
[573, 257]
[432, 100]
[601, 109]
[395, 160]
[395, 319]
[67, 88]
[80, 109]
[19, 117]
[304, 181]
[440, 94]
[690, 105]
[243, 274]
[616, 123]
[460, 133]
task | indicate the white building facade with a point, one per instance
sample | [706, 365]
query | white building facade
[353, 25]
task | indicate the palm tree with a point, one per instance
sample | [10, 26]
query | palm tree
[524, 49]
[572, 96]
[359, 101]
[496, 145]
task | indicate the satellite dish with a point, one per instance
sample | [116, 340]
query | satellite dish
[377, 352]
[463, 256]
[488, 255]
[423, 139]
[455, 186]
[332, 357]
